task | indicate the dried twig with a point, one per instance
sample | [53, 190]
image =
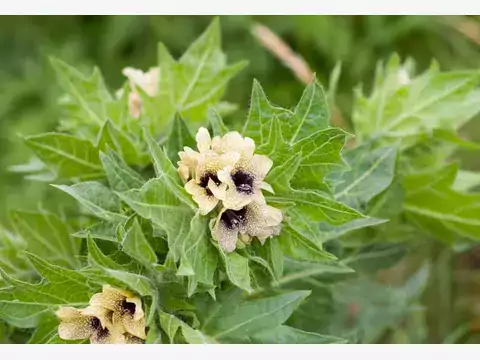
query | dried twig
[293, 61]
[467, 26]
[283, 52]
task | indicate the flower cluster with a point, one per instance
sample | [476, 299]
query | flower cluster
[113, 316]
[226, 172]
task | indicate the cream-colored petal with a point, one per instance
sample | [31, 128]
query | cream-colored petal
[183, 172]
[224, 175]
[148, 81]
[267, 187]
[134, 105]
[262, 220]
[107, 336]
[227, 238]
[74, 325]
[134, 327]
[235, 200]
[203, 140]
[139, 314]
[110, 298]
[219, 191]
[205, 202]
[130, 339]
[261, 165]
[101, 313]
[234, 142]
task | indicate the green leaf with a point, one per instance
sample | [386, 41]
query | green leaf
[156, 202]
[179, 137]
[193, 84]
[320, 154]
[165, 170]
[255, 316]
[96, 198]
[123, 143]
[216, 123]
[260, 115]
[297, 246]
[47, 236]
[120, 176]
[193, 336]
[87, 99]
[401, 106]
[47, 329]
[198, 252]
[432, 204]
[170, 324]
[67, 156]
[136, 245]
[466, 180]
[371, 172]
[97, 258]
[237, 269]
[311, 113]
[289, 335]
[103, 230]
[23, 304]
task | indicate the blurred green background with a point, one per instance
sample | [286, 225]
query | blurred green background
[29, 93]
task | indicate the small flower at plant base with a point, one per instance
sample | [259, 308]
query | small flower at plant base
[147, 81]
[92, 323]
[206, 188]
[254, 220]
[245, 181]
[126, 308]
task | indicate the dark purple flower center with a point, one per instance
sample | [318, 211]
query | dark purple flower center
[243, 182]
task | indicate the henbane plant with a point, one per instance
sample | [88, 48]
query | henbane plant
[192, 231]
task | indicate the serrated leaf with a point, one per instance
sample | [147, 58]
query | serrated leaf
[179, 137]
[401, 106]
[297, 246]
[103, 230]
[255, 316]
[198, 252]
[320, 153]
[137, 246]
[432, 204]
[156, 202]
[371, 172]
[260, 115]
[164, 169]
[216, 123]
[48, 236]
[170, 324]
[194, 83]
[237, 270]
[193, 336]
[123, 143]
[47, 328]
[67, 156]
[120, 176]
[311, 113]
[96, 198]
[97, 258]
[87, 99]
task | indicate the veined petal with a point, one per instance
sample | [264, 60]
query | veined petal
[130, 339]
[205, 202]
[126, 323]
[74, 325]
[218, 191]
[226, 229]
[204, 140]
[261, 165]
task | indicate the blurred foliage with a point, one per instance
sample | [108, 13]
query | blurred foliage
[29, 94]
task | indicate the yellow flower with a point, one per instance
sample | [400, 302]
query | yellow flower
[126, 308]
[254, 220]
[206, 188]
[92, 323]
[245, 181]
